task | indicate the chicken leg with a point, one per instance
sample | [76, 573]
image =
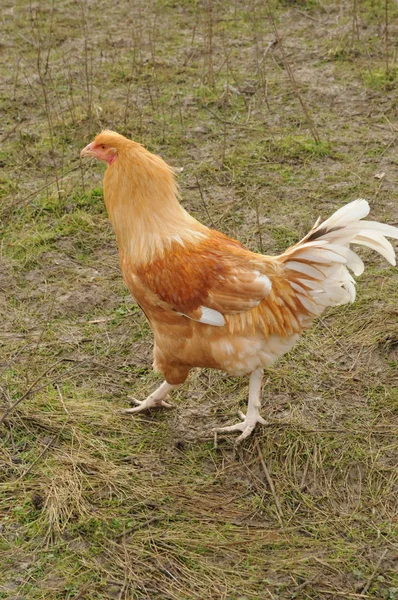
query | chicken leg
[154, 400]
[252, 417]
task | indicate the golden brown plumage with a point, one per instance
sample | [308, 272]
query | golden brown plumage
[210, 301]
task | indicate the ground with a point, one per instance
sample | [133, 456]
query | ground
[274, 113]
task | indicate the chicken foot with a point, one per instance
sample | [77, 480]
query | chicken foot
[154, 400]
[252, 417]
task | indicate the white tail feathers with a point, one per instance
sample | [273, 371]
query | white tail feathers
[318, 266]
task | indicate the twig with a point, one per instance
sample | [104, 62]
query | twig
[344, 594]
[209, 9]
[204, 201]
[226, 122]
[61, 399]
[268, 48]
[87, 71]
[25, 39]
[31, 389]
[292, 78]
[62, 376]
[259, 224]
[307, 464]
[305, 583]
[139, 526]
[307, 16]
[389, 145]
[269, 481]
[43, 187]
[47, 446]
[386, 36]
[374, 573]
[334, 337]
[10, 362]
[355, 26]
[46, 321]
[43, 75]
[10, 132]
[82, 591]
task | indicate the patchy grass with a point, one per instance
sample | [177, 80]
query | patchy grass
[97, 505]
[381, 79]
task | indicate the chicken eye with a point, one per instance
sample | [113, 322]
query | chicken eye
[103, 147]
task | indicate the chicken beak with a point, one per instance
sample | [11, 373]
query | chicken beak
[87, 151]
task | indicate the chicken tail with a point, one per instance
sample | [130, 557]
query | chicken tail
[318, 266]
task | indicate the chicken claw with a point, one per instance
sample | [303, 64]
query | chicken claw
[246, 426]
[146, 404]
[250, 420]
[154, 400]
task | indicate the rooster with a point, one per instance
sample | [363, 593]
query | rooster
[210, 301]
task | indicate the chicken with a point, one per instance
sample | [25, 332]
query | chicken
[210, 301]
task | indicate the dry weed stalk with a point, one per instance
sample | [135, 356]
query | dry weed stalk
[153, 81]
[44, 47]
[259, 228]
[386, 36]
[355, 21]
[310, 122]
[203, 200]
[33, 390]
[88, 68]
[269, 481]
[209, 10]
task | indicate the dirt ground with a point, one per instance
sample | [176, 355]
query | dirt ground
[276, 113]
